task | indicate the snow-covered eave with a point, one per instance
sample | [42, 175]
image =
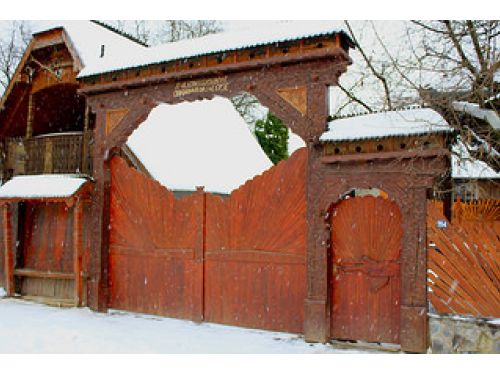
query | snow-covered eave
[386, 124]
[47, 188]
[201, 48]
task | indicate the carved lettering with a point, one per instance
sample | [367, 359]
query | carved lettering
[201, 85]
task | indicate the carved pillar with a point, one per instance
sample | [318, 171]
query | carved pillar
[316, 315]
[414, 288]
[85, 142]
[29, 121]
[98, 283]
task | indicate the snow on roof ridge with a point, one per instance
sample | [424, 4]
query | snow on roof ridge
[120, 32]
[218, 43]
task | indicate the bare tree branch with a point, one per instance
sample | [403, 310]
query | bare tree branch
[371, 67]
[354, 98]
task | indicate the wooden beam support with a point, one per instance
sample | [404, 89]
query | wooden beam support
[29, 121]
[27, 272]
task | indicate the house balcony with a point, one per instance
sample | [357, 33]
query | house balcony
[58, 153]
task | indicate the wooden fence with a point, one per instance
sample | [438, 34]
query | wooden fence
[477, 210]
[464, 261]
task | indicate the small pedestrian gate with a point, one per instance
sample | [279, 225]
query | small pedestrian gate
[365, 269]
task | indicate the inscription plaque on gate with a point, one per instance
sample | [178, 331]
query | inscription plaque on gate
[200, 85]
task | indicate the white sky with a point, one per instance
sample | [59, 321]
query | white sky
[203, 143]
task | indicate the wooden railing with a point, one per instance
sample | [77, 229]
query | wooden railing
[57, 153]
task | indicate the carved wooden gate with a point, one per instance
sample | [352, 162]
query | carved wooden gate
[236, 260]
[155, 247]
[366, 282]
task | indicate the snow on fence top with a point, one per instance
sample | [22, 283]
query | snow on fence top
[463, 165]
[214, 43]
[42, 186]
[204, 143]
[386, 124]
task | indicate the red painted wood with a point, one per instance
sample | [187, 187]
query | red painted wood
[238, 260]
[366, 282]
[155, 244]
[48, 243]
[255, 251]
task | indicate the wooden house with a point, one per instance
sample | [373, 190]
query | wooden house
[46, 136]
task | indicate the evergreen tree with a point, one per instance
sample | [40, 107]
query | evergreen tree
[272, 136]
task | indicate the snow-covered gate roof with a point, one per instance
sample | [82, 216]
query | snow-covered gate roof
[417, 121]
[215, 43]
[54, 186]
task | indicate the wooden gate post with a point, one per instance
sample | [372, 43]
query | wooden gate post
[98, 283]
[414, 269]
[316, 309]
[8, 250]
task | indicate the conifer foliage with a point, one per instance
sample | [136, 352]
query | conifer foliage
[272, 136]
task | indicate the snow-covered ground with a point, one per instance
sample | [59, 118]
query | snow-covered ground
[27, 327]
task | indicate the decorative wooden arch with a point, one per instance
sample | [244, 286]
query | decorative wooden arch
[295, 87]
[406, 180]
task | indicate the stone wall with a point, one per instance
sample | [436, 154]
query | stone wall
[456, 334]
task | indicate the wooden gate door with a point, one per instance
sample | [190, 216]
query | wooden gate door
[366, 282]
[155, 247]
[46, 270]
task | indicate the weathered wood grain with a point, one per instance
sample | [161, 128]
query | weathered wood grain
[48, 237]
[153, 241]
[366, 273]
[255, 251]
